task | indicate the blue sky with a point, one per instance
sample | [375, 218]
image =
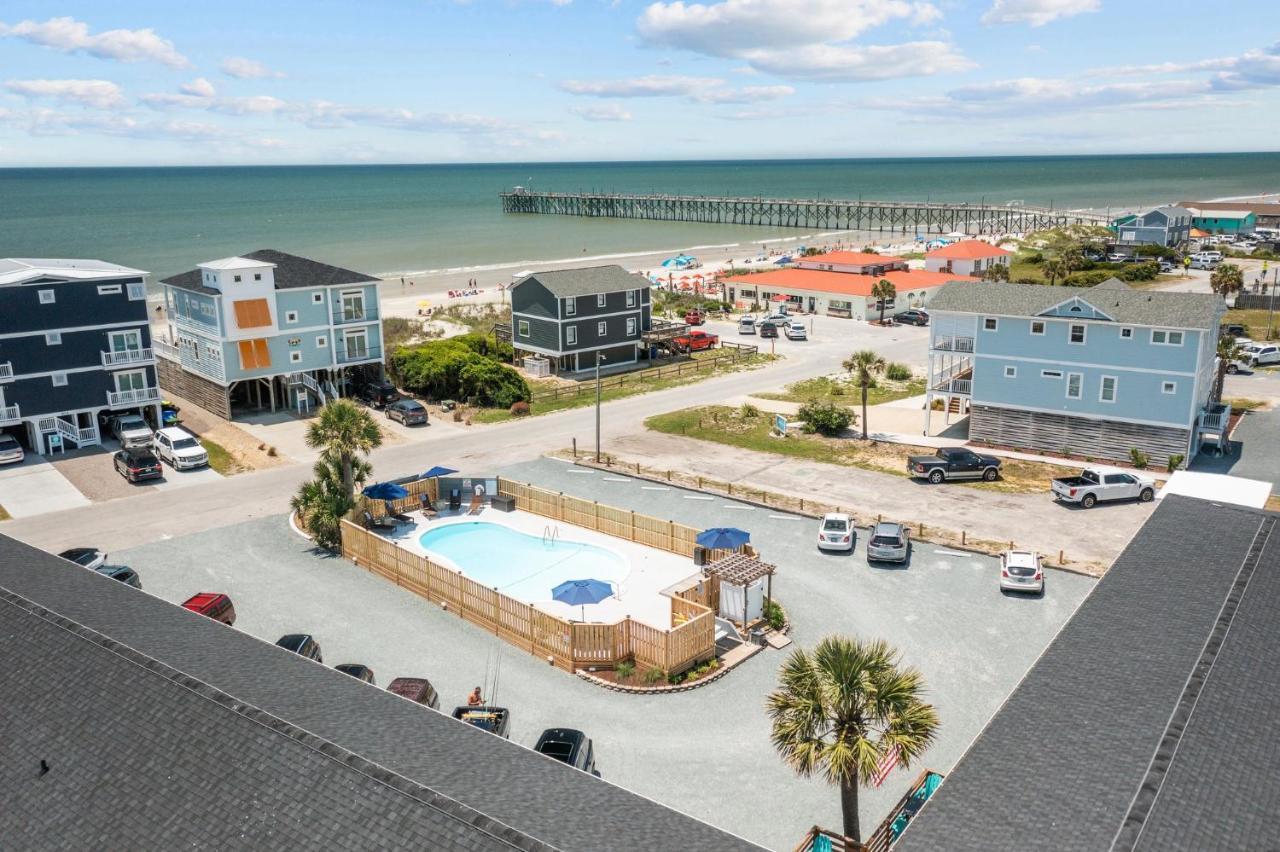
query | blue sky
[323, 81]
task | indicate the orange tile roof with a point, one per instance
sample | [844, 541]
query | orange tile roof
[851, 258]
[843, 283]
[968, 250]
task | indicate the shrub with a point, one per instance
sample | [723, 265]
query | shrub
[748, 411]
[652, 675]
[1175, 461]
[1138, 457]
[1033, 257]
[774, 614]
[1144, 271]
[1087, 279]
[825, 417]
[454, 369]
[625, 670]
[520, 409]
[897, 372]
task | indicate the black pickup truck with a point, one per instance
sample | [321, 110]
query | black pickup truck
[954, 463]
[495, 720]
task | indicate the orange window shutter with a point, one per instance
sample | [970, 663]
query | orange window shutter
[262, 352]
[252, 313]
[247, 360]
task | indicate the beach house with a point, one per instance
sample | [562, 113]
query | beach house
[1221, 220]
[1097, 372]
[1160, 226]
[574, 316]
[966, 257]
[268, 330]
[74, 348]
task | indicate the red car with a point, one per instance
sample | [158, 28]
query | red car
[695, 341]
[213, 604]
[695, 317]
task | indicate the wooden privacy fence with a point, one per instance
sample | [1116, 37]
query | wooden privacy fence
[731, 353]
[416, 488]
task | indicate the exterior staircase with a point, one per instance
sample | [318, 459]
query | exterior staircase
[306, 381]
[68, 430]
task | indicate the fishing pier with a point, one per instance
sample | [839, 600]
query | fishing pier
[904, 217]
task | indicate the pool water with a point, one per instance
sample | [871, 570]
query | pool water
[524, 566]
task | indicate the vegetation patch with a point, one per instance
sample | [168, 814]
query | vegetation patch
[1243, 404]
[842, 390]
[220, 459]
[1254, 321]
[467, 367]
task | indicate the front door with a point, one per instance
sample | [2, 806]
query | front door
[813, 304]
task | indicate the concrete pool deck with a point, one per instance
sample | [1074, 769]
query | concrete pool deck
[638, 594]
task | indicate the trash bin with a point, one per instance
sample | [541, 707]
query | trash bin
[757, 637]
[700, 555]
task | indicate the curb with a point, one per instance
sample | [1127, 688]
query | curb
[659, 690]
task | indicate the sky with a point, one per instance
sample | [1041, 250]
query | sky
[439, 81]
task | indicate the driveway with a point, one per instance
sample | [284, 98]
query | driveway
[1256, 455]
[35, 486]
[705, 752]
[92, 472]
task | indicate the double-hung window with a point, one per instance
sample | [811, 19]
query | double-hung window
[1162, 337]
[1037, 327]
[1075, 385]
[990, 323]
[602, 328]
[631, 298]
[570, 307]
[571, 335]
[1107, 392]
[1076, 335]
[600, 300]
[522, 328]
[631, 326]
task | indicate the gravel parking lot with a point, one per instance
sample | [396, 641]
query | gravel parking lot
[93, 473]
[707, 751]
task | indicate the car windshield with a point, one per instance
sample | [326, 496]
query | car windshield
[412, 406]
[142, 458]
[8, 442]
[557, 749]
[886, 541]
[133, 423]
[834, 524]
[185, 443]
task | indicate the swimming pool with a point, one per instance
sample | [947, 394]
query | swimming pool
[523, 566]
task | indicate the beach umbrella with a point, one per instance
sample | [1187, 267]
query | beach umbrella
[676, 261]
[786, 258]
[385, 491]
[437, 471]
[723, 538]
[581, 592]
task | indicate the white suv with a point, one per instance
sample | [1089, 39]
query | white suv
[1263, 354]
[180, 448]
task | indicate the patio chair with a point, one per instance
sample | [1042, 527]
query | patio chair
[455, 500]
[477, 503]
[428, 511]
[398, 517]
[372, 523]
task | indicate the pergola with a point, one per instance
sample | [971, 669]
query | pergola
[739, 569]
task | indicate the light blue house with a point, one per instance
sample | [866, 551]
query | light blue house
[269, 329]
[1096, 372]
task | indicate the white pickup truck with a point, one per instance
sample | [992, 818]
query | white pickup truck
[1100, 484]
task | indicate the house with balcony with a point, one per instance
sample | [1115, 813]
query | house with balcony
[75, 348]
[1098, 371]
[269, 330]
[966, 257]
[1160, 226]
[574, 316]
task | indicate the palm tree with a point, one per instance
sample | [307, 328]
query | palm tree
[865, 364]
[884, 292]
[343, 430]
[996, 272]
[1226, 280]
[1229, 351]
[841, 708]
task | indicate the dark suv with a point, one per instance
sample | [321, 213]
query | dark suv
[378, 394]
[568, 746]
[912, 317]
[303, 644]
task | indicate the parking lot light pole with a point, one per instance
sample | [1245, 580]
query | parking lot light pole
[599, 359]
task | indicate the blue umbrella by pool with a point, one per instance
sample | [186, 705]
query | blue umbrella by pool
[582, 592]
[385, 491]
[723, 538]
[437, 471]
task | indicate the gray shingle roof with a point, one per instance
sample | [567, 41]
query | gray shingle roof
[1113, 297]
[588, 281]
[1149, 722]
[163, 729]
[291, 272]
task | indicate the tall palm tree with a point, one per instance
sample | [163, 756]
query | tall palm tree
[884, 292]
[839, 709]
[1229, 351]
[343, 430]
[865, 364]
[1226, 280]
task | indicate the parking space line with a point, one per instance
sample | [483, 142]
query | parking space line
[696, 497]
[787, 518]
[742, 508]
[952, 553]
[616, 479]
[654, 488]
[580, 470]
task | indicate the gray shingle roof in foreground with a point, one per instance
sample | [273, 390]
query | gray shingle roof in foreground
[291, 272]
[1113, 297]
[588, 281]
[163, 729]
[1149, 722]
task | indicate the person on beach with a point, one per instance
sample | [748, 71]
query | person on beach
[475, 699]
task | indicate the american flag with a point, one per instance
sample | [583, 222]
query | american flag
[885, 765]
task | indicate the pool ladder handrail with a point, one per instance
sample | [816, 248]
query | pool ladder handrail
[550, 535]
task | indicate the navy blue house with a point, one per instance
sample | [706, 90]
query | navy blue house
[75, 347]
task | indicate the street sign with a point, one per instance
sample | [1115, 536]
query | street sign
[780, 424]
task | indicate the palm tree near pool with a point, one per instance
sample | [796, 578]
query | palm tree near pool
[883, 292]
[865, 364]
[343, 432]
[322, 503]
[842, 708]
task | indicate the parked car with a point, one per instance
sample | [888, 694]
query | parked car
[378, 394]
[694, 317]
[912, 317]
[130, 430]
[123, 573]
[410, 412]
[889, 542]
[796, 331]
[1259, 354]
[1098, 484]
[747, 325]
[568, 746]
[836, 532]
[1166, 265]
[1116, 257]
[180, 448]
[303, 644]
[213, 605]
[1021, 571]
[85, 557]
[954, 463]
[417, 689]
[779, 318]
[495, 720]
[138, 463]
[1234, 329]
[10, 450]
[357, 671]
[696, 341]
[768, 329]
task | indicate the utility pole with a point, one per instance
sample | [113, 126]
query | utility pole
[599, 358]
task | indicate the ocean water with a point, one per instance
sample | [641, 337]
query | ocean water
[417, 218]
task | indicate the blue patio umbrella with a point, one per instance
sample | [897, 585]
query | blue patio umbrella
[582, 592]
[437, 471]
[723, 538]
[385, 491]
[786, 258]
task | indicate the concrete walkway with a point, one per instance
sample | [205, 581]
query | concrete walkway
[35, 486]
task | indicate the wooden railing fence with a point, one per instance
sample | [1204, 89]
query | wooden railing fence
[730, 353]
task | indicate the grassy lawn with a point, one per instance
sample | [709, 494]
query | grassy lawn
[219, 459]
[843, 392]
[642, 384]
[1255, 320]
[728, 426]
[1242, 404]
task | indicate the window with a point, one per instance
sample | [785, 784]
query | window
[571, 335]
[291, 316]
[1075, 383]
[254, 354]
[1011, 372]
[1169, 387]
[52, 338]
[522, 328]
[1050, 374]
[295, 357]
[356, 344]
[236, 279]
[252, 313]
[631, 298]
[570, 307]
[257, 276]
[602, 328]
[1037, 327]
[353, 305]
[1160, 337]
[1076, 334]
[109, 289]
[317, 298]
[47, 297]
[631, 326]
[600, 300]
[134, 380]
[322, 342]
[1107, 393]
[1126, 334]
[990, 324]
[59, 380]
[125, 341]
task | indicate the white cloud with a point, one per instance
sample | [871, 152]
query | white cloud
[97, 94]
[710, 90]
[745, 95]
[199, 87]
[1036, 13]
[246, 69]
[71, 36]
[601, 112]
[1253, 69]
[872, 62]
